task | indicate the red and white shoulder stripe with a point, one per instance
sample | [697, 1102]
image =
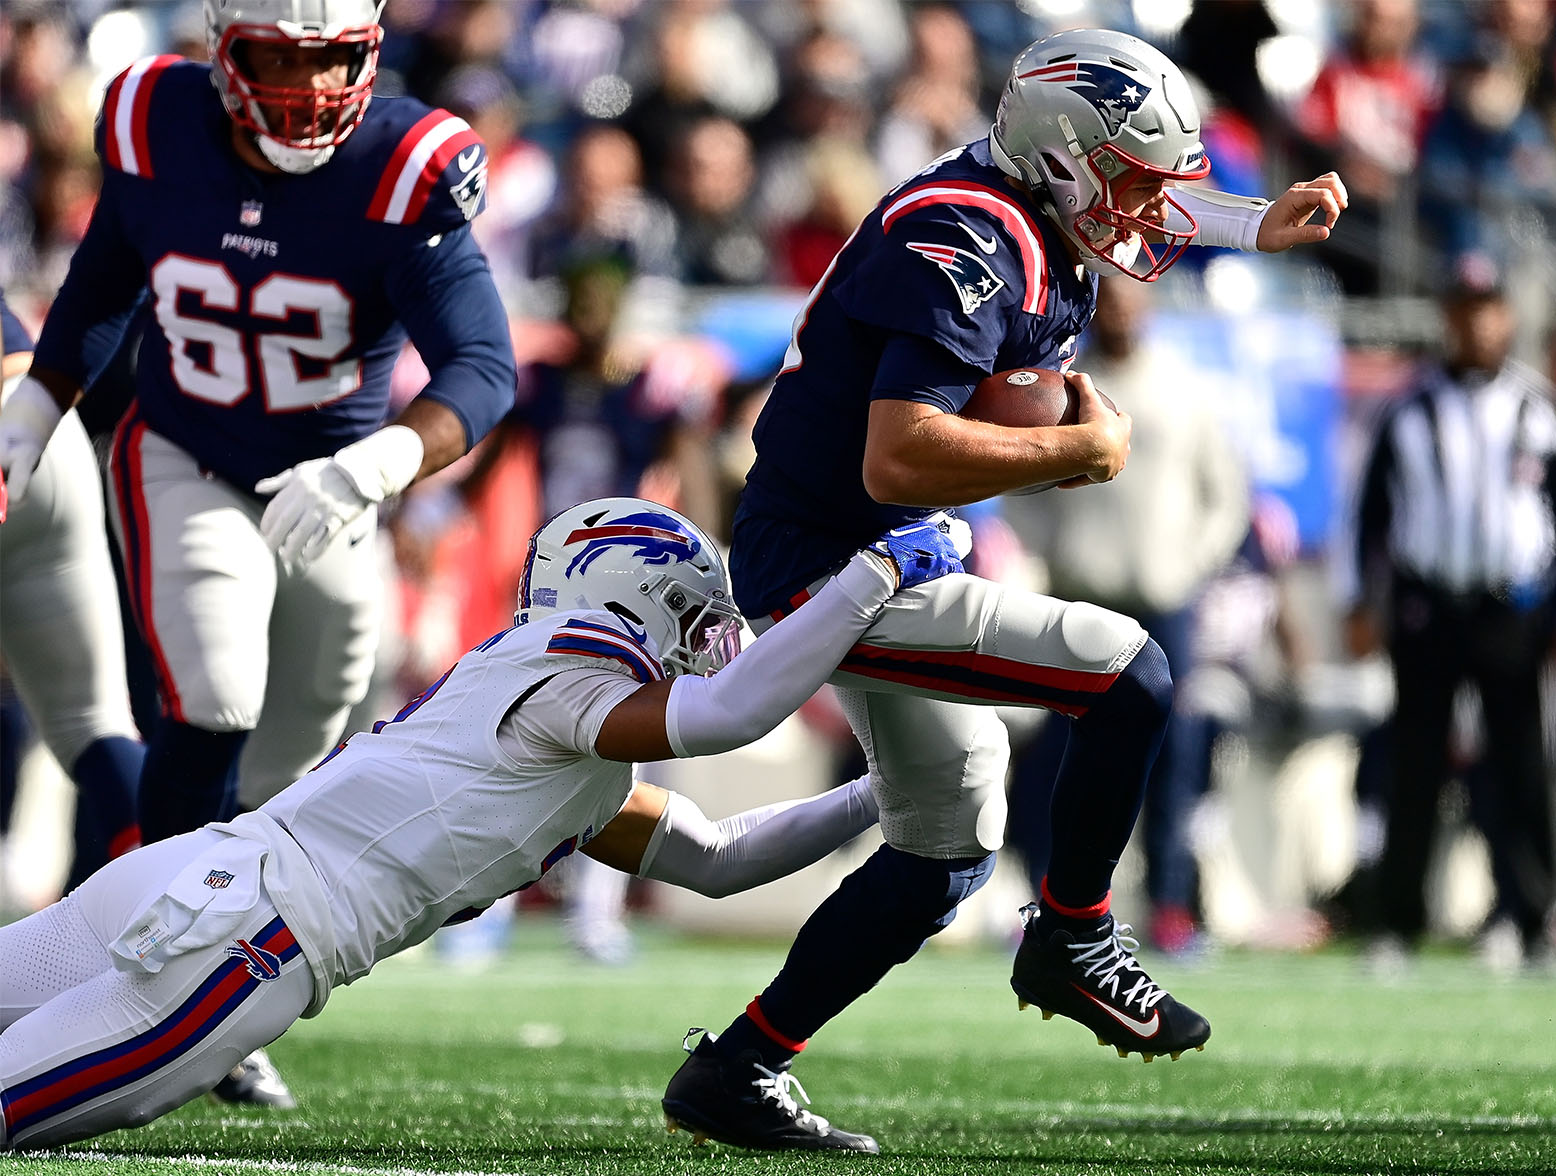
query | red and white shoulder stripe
[126, 115]
[419, 159]
[1016, 219]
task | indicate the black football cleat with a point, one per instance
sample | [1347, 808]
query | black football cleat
[748, 1105]
[255, 1082]
[1098, 982]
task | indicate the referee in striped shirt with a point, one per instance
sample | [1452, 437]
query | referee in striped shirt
[1452, 568]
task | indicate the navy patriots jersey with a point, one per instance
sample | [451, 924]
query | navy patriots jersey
[14, 337]
[953, 257]
[281, 301]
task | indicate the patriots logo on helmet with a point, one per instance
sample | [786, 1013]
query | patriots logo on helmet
[261, 964]
[974, 281]
[655, 538]
[1113, 93]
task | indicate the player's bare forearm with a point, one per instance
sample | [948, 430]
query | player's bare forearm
[15, 364]
[620, 844]
[441, 431]
[916, 455]
[65, 390]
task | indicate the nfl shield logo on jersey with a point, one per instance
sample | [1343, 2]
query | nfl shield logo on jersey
[975, 282]
[251, 213]
[219, 879]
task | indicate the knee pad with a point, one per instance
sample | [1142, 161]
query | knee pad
[918, 896]
[1142, 693]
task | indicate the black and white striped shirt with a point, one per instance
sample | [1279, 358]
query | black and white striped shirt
[1460, 488]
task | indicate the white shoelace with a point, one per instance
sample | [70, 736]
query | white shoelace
[1107, 957]
[781, 1086]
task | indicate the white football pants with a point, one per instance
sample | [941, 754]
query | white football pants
[238, 644]
[937, 764]
[88, 1047]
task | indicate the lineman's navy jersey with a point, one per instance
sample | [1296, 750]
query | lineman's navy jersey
[954, 257]
[282, 301]
[14, 338]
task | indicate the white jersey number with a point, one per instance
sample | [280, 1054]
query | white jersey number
[208, 358]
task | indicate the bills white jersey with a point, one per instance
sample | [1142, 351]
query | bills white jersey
[474, 790]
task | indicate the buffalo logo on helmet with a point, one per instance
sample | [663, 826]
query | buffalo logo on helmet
[654, 538]
[1113, 93]
[974, 281]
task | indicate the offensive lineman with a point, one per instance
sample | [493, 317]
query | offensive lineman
[139, 990]
[984, 261]
[292, 230]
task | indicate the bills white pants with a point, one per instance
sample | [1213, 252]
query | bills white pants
[90, 1043]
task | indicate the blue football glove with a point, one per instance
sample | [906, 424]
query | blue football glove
[924, 550]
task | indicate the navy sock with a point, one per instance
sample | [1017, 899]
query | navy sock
[1102, 779]
[107, 776]
[878, 917]
[190, 779]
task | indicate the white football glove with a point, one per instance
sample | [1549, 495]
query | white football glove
[316, 499]
[27, 421]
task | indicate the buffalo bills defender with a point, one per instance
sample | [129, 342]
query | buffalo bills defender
[292, 230]
[986, 260]
[62, 637]
[136, 992]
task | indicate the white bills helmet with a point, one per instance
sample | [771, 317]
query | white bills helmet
[1086, 114]
[652, 567]
[296, 128]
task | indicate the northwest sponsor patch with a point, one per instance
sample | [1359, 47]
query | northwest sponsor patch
[975, 283]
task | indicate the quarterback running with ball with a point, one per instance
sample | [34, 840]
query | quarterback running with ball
[987, 260]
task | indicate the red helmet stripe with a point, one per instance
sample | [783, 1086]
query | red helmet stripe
[126, 118]
[1018, 220]
[623, 530]
[391, 202]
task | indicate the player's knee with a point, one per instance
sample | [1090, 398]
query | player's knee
[1099, 637]
[1142, 693]
[918, 896]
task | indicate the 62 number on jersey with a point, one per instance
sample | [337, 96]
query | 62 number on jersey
[224, 377]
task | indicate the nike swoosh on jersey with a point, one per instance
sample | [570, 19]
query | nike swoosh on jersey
[1143, 1028]
[987, 244]
[467, 158]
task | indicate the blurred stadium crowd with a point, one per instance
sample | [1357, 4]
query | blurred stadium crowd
[668, 179]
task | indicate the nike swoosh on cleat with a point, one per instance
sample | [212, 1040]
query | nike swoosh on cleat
[1143, 1028]
[987, 244]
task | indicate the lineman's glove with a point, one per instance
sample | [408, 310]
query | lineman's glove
[27, 421]
[316, 499]
[925, 550]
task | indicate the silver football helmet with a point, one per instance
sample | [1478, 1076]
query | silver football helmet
[295, 128]
[652, 567]
[1086, 114]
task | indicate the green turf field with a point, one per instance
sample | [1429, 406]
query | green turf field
[547, 1065]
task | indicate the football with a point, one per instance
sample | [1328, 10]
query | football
[1025, 398]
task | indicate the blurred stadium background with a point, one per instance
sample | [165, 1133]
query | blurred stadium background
[671, 177]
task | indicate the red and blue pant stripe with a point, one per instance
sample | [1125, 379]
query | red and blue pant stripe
[80, 1080]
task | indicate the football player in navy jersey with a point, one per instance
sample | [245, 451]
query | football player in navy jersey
[986, 260]
[292, 230]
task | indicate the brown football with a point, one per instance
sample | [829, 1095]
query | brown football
[1024, 398]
